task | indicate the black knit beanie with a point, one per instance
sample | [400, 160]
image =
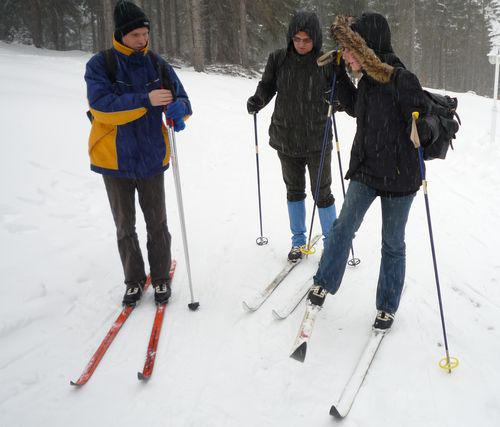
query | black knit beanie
[128, 17]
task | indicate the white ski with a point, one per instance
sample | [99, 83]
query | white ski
[342, 408]
[293, 302]
[300, 347]
[262, 296]
[259, 299]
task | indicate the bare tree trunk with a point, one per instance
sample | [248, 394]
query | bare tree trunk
[55, 29]
[171, 34]
[103, 40]
[94, 32]
[176, 32]
[64, 31]
[208, 44]
[35, 22]
[197, 35]
[413, 35]
[213, 39]
[153, 12]
[108, 7]
[243, 34]
[160, 13]
[147, 7]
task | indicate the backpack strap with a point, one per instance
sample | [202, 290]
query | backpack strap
[160, 66]
[110, 64]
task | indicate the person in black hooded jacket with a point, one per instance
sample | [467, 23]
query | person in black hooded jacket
[384, 163]
[297, 124]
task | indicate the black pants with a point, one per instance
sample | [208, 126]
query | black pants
[294, 175]
[151, 192]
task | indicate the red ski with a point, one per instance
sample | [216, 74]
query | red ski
[106, 342]
[155, 335]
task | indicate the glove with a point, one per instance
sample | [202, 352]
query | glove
[179, 125]
[255, 104]
[339, 68]
[176, 111]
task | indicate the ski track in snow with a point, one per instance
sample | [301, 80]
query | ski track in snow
[221, 366]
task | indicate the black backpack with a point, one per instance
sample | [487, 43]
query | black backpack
[442, 127]
[438, 125]
[111, 64]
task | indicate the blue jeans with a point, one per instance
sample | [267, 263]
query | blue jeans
[395, 212]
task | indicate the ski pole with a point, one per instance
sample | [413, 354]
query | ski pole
[328, 124]
[177, 180]
[165, 81]
[448, 362]
[353, 262]
[306, 249]
[260, 240]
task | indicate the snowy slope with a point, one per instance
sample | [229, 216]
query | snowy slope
[61, 277]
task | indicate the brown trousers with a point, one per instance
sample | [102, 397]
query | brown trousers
[151, 193]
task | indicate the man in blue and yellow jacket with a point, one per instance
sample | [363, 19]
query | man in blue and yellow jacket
[129, 145]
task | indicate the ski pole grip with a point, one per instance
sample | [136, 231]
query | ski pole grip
[415, 138]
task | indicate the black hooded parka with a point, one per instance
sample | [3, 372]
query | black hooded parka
[382, 156]
[301, 109]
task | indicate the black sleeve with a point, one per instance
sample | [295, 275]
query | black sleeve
[266, 88]
[344, 97]
[345, 93]
[410, 94]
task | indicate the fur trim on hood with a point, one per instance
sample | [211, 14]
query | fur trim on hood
[342, 32]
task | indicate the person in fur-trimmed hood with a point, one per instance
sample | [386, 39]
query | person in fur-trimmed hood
[298, 120]
[384, 162]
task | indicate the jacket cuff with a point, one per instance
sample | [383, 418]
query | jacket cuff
[145, 102]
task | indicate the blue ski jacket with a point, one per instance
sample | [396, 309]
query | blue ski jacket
[128, 138]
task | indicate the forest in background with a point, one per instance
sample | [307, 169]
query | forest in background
[445, 42]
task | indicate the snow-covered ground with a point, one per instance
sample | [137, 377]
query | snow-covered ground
[61, 277]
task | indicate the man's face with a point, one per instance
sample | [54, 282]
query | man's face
[302, 43]
[137, 39]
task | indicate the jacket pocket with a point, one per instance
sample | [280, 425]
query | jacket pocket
[102, 146]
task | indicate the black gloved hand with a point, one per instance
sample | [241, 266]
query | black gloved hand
[337, 106]
[254, 104]
[339, 68]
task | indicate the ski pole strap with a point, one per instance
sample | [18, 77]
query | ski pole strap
[328, 124]
[415, 138]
